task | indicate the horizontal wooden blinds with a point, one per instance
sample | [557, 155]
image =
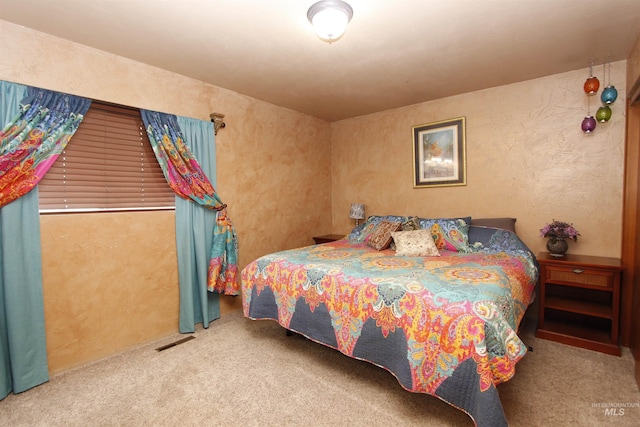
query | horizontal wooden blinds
[107, 165]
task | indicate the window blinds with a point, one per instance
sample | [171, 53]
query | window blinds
[107, 165]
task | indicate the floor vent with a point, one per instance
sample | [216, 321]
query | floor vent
[173, 344]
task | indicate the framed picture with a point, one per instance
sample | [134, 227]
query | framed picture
[439, 157]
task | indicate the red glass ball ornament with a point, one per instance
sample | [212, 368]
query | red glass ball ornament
[592, 85]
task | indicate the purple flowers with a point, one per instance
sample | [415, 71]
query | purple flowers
[560, 230]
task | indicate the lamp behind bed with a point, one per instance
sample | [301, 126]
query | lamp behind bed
[356, 212]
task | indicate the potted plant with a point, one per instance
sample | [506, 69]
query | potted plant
[558, 232]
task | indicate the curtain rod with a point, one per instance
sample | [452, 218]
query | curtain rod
[218, 121]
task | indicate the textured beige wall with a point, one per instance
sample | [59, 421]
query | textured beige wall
[110, 291]
[110, 280]
[285, 174]
[526, 158]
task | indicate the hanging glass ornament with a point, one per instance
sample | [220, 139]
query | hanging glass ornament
[588, 124]
[610, 93]
[592, 84]
[603, 114]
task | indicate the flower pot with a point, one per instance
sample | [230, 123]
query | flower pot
[557, 247]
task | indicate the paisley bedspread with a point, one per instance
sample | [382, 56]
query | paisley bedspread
[445, 326]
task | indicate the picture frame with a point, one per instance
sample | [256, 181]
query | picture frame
[439, 154]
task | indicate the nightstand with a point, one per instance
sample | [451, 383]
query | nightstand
[328, 238]
[579, 301]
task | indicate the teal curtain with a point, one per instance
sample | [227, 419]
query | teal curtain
[23, 353]
[187, 179]
[197, 305]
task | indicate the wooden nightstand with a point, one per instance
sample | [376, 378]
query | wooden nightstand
[328, 238]
[579, 301]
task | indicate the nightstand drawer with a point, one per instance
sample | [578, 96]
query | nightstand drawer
[580, 276]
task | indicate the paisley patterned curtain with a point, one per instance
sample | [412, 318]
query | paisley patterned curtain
[186, 178]
[39, 123]
[32, 142]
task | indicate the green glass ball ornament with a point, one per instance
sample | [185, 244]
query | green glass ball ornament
[603, 114]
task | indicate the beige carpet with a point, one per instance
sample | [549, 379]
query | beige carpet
[249, 373]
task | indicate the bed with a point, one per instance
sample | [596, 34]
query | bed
[436, 302]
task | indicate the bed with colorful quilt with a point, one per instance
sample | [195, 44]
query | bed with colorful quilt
[436, 302]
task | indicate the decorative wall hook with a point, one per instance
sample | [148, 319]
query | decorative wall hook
[218, 121]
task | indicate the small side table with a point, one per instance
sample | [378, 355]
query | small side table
[579, 301]
[328, 238]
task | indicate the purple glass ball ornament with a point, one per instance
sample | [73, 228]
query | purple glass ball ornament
[588, 124]
[609, 95]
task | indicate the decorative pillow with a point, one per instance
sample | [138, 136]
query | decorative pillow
[414, 243]
[410, 223]
[451, 234]
[381, 236]
[503, 223]
[364, 230]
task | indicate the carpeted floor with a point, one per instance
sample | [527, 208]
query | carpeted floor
[249, 373]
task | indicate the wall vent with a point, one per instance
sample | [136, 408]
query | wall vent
[173, 344]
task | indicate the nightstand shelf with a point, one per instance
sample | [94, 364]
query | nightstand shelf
[588, 308]
[577, 334]
[579, 300]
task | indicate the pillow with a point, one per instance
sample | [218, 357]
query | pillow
[380, 238]
[362, 232]
[503, 223]
[410, 223]
[451, 234]
[414, 243]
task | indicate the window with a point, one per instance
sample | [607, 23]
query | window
[107, 165]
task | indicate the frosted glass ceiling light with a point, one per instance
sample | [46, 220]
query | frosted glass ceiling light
[330, 18]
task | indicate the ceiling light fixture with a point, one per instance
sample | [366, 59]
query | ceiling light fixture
[330, 18]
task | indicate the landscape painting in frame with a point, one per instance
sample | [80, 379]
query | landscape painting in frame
[439, 157]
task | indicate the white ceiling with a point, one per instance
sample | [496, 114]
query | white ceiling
[394, 53]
